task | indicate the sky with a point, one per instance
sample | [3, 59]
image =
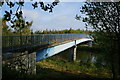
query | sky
[62, 17]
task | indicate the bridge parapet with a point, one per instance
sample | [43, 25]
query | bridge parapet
[21, 42]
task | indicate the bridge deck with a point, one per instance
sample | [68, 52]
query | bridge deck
[23, 42]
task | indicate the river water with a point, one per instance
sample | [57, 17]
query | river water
[84, 57]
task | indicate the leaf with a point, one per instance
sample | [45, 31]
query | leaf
[1, 3]
[12, 26]
[35, 5]
[21, 3]
[50, 10]
[27, 23]
[11, 5]
[11, 21]
[10, 11]
[6, 12]
[20, 12]
[41, 4]
[7, 16]
[45, 8]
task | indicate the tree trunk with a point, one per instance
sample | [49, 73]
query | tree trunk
[119, 55]
[113, 67]
[113, 72]
[114, 60]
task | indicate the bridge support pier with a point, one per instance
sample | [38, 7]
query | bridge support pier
[72, 53]
[90, 44]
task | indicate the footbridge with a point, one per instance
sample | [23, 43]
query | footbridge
[32, 48]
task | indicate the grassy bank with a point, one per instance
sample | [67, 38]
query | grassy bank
[74, 68]
[51, 69]
[56, 68]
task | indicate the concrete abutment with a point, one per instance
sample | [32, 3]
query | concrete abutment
[23, 62]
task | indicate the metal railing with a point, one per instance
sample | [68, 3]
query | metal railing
[16, 42]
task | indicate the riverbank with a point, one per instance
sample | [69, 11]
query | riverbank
[59, 67]
[51, 69]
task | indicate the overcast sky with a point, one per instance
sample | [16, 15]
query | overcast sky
[62, 17]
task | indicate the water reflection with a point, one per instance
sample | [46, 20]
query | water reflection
[93, 60]
[84, 57]
[89, 57]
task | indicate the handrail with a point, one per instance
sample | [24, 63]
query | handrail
[14, 42]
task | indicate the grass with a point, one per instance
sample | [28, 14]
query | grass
[52, 69]
[74, 68]
[60, 65]
[56, 68]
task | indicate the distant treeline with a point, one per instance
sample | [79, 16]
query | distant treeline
[66, 31]
[6, 30]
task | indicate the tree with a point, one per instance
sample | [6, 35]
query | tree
[0, 27]
[15, 18]
[5, 29]
[18, 28]
[104, 17]
[21, 27]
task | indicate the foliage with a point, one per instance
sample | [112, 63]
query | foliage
[66, 31]
[0, 27]
[104, 17]
[17, 30]
[16, 19]
[5, 29]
